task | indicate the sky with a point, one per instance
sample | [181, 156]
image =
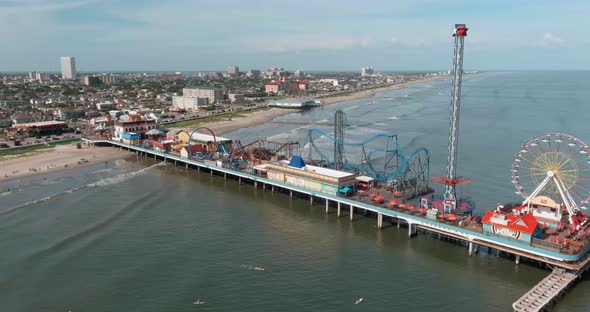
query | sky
[390, 35]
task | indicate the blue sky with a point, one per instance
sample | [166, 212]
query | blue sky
[308, 35]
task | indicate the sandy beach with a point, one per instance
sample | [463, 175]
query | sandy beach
[60, 158]
[259, 117]
[64, 157]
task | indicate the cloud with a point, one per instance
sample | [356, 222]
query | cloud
[550, 40]
[299, 43]
[13, 7]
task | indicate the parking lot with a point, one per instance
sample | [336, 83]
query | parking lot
[38, 140]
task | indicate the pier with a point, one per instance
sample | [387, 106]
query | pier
[567, 266]
[545, 292]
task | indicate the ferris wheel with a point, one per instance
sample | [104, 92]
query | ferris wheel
[556, 165]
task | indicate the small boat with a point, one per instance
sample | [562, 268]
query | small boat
[198, 301]
[259, 268]
[359, 300]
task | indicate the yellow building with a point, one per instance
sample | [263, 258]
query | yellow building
[206, 141]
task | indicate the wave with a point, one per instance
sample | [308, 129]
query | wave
[103, 182]
[349, 108]
[6, 193]
[104, 170]
[99, 225]
[393, 118]
[122, 177]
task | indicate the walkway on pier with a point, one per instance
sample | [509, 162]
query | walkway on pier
[540, 296]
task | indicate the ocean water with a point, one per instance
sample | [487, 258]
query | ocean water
[139, 235]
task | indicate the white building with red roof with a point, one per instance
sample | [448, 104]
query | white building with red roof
[519, 227]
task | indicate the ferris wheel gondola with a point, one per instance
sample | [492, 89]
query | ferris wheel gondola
[555, 165]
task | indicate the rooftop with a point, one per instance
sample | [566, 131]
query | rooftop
[42, 124]
[525, 223]
[202, 137]
[318, 170]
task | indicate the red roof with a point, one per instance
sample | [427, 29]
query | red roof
[273, 83]
[525, 223]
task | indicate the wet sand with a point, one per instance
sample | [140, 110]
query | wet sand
[62, 157]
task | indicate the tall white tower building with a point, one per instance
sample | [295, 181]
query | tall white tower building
[68, 67]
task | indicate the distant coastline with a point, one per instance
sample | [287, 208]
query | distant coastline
[264, 116]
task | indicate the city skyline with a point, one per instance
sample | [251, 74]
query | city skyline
[181, 35]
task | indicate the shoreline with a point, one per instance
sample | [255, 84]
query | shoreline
[251, 119]
[67, 157]
[59, 159]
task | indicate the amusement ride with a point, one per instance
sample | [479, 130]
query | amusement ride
[449, 201]
[551, 170]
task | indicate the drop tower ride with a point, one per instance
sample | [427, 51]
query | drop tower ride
[451, 180]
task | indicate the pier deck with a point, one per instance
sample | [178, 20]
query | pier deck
[466, 233]
[545, 292]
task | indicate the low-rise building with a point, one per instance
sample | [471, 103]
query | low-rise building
[134, 124]
[43, 127]
[215, 95]
[236, 98]
[108, 79]
[22, 119]
[13, 103]
[521, 228]
[206, 141]
[233, 70]
[296, 172]
[105, 106]
[91, 81]
[253, 73]
[64, 114]
[189, 103]
[273, 87]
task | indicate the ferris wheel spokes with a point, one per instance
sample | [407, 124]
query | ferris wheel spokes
[554, 165]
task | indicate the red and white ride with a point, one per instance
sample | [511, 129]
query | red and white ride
[552, 173]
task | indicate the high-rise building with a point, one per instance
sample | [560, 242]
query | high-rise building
[68, 67]
[233, 70]
[367, 71]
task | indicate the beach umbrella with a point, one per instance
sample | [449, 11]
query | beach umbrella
[393, 202]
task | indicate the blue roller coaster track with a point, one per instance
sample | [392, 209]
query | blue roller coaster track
[369, 168]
